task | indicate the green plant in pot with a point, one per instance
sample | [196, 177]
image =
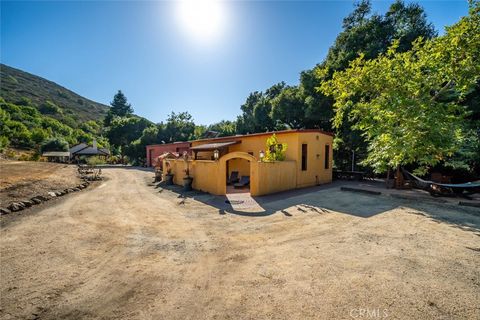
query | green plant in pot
[169, 174]
[187, 180]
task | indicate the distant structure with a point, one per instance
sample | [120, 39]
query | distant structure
[57, 156]
[84, 150]
[156, 150]
[211, 134]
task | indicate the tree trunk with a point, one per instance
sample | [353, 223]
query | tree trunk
[399, 180]
[387, 181]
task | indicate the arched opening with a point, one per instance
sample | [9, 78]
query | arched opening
[238, 175]
[237, 172]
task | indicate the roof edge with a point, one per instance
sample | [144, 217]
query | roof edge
[268, 133]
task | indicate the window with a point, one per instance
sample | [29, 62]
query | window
[304, 157]
[327, 156]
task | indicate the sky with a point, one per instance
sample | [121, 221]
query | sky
[172, 56]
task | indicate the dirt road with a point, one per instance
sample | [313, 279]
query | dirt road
[124, 250]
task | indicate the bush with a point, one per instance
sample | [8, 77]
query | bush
[4, 142]
[95, 161]
[24, 101]
[49, 108]
[275, 151]
[39, 135]
[55, 144]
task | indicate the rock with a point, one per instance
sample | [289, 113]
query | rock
[43, 198]
[76, 189]
[35, 200]
[52, 194]
[70, 190]
[4, 211]
[59, 193]
[16, 206]
[27, 203]
[81, 186]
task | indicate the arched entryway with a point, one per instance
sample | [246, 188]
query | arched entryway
[239, 166]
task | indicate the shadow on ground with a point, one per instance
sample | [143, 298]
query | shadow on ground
[328, 198]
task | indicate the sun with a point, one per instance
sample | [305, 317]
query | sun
[202, 20]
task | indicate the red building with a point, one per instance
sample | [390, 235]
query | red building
[155, 150]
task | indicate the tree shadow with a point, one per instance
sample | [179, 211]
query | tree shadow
[329, 198]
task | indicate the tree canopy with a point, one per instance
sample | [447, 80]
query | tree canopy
[119, 108]
[54, 144]
[398, 100]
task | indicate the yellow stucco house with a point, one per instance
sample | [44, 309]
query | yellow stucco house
[308, 162]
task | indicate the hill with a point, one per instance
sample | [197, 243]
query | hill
[21, 88]
[34, 110]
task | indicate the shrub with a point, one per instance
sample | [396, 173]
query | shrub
[4, 142]
[39, 135]
[49, 108]
[24, 101]
[275, 150]
[54, 144]
[94, 161]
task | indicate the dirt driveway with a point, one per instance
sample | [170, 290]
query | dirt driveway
[124, 250]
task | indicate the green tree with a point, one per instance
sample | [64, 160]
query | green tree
[54, 144]
[257, 111]
[179, 127]
[38, 135]
[397, 100]
[246, 121]
[368, 35]
[225, 128]
[124, 130]
[318, 108]
[289, 108]
[372, 34]
[199, 131]
[119, 108]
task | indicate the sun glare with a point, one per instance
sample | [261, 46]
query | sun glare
[203, 20]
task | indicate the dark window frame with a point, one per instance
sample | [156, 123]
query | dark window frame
[327, 156]
[304, 156]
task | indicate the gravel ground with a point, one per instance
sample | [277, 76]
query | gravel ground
[127, 250]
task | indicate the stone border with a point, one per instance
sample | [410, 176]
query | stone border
[21, 205]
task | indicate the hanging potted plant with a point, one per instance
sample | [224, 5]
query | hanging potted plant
[169, 174]
[187, 180]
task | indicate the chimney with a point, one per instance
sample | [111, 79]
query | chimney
[94, 144]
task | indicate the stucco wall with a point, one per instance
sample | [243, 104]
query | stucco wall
[316, 172]
[240, 165]
[274, 177]
[156, 150]
[205, 174]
